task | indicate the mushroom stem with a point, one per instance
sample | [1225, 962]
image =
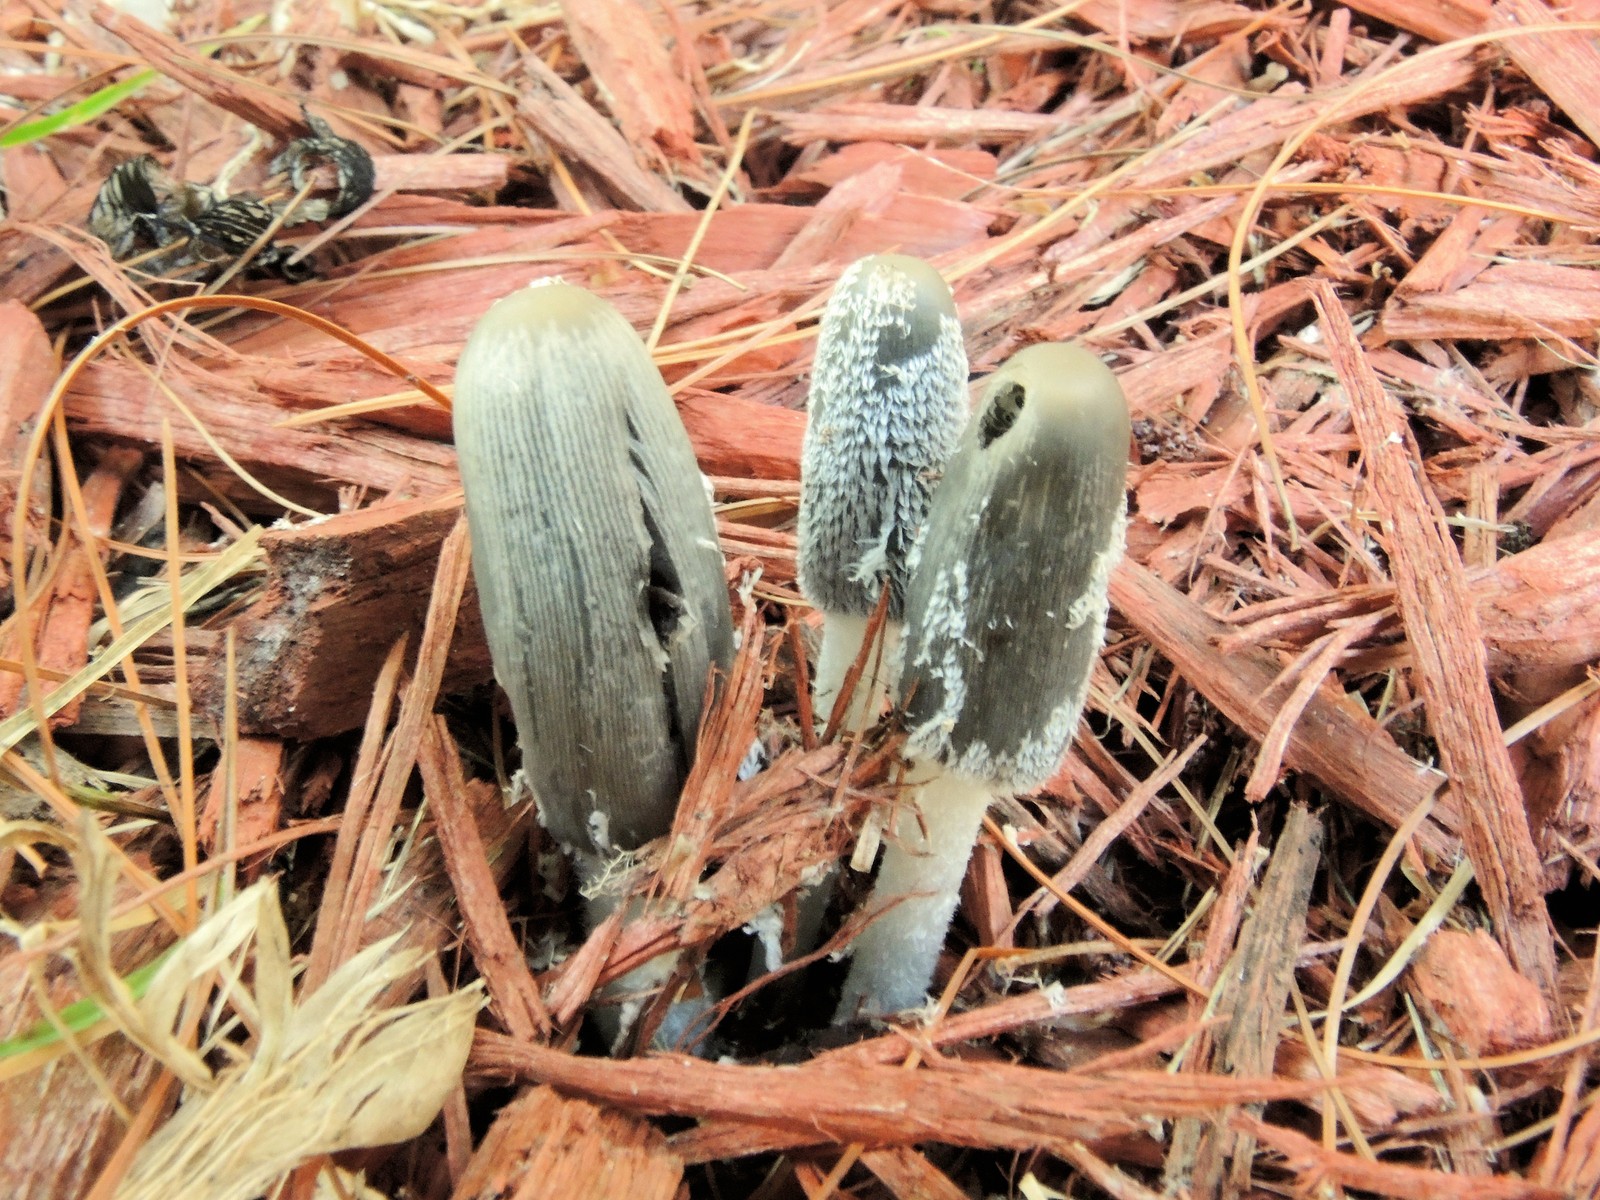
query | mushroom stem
[843, 635]
[920, 879]
[616, 1022]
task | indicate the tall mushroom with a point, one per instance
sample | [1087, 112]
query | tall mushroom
[596, 559]
[1005, 616]
[888, 400]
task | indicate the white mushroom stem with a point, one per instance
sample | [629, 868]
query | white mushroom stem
[920, 881]
[843, 635]
[635, 992]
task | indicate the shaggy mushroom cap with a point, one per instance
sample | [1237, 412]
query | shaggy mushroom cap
[888, 400]
[1007, 606]
[596, 559]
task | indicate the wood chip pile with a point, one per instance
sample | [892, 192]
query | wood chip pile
[1311, 907]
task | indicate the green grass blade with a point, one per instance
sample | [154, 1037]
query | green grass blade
[87, 109]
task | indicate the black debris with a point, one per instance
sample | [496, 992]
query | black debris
[350, 161]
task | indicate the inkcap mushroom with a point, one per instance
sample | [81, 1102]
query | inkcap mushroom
[1005, 616]
[888, 400]
[598, 571]
[596, 558]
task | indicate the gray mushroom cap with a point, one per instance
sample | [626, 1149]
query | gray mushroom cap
[1007, 604]
[888, 400]
[596, 559]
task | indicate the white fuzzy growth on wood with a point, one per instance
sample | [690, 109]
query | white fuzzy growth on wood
[887, 404]
[923, 865]
[595, 554]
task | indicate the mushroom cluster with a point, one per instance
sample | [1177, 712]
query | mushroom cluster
[603, 595]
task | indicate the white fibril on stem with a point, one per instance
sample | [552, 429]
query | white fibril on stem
[596, 559]
[1005, 616]
[888, 401]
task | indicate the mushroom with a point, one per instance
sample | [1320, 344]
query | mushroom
[1005, 615]
[596, 559]
[888, 400]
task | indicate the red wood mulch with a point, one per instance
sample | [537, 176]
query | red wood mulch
[1342, 757]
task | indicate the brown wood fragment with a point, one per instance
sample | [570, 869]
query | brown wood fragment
[255, 103]
[1334, 741]
[1438, 20]
[988, 1104]
[1565, 66]
[1508, 300]
[61, 618]
[1311, 1162]
[1487, 1007]
[383, 773]
[866, 122]
[339, 592]
[634, 73]
[1452, 665]
[553, 108]
[545, 1146]
[258, 765]
[494, 946]
[910, 1176]
[123, 404]
[1255, 991]
[27, 366]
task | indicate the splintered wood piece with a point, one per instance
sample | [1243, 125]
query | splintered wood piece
[1315, 1166]
[27, 365]
[555, 109]
[961, 1103]
[61, 618]
[909, 1175]
[630, 64]
[1452, 664]
[1539, 610]
[260, 105]
[1508, 300]
[1334, 741]
[258, 765]
[339, 592]
[546, 1146]
[1255, 992]
[1484, 1004]
[864, 122]
[1564, 66]
[118, 401]
[1439, 21]
[495, 950]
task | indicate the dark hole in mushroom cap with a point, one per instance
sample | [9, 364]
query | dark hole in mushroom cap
[1004, 408]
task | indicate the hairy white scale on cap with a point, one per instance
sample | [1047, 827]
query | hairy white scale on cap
[887, 404]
